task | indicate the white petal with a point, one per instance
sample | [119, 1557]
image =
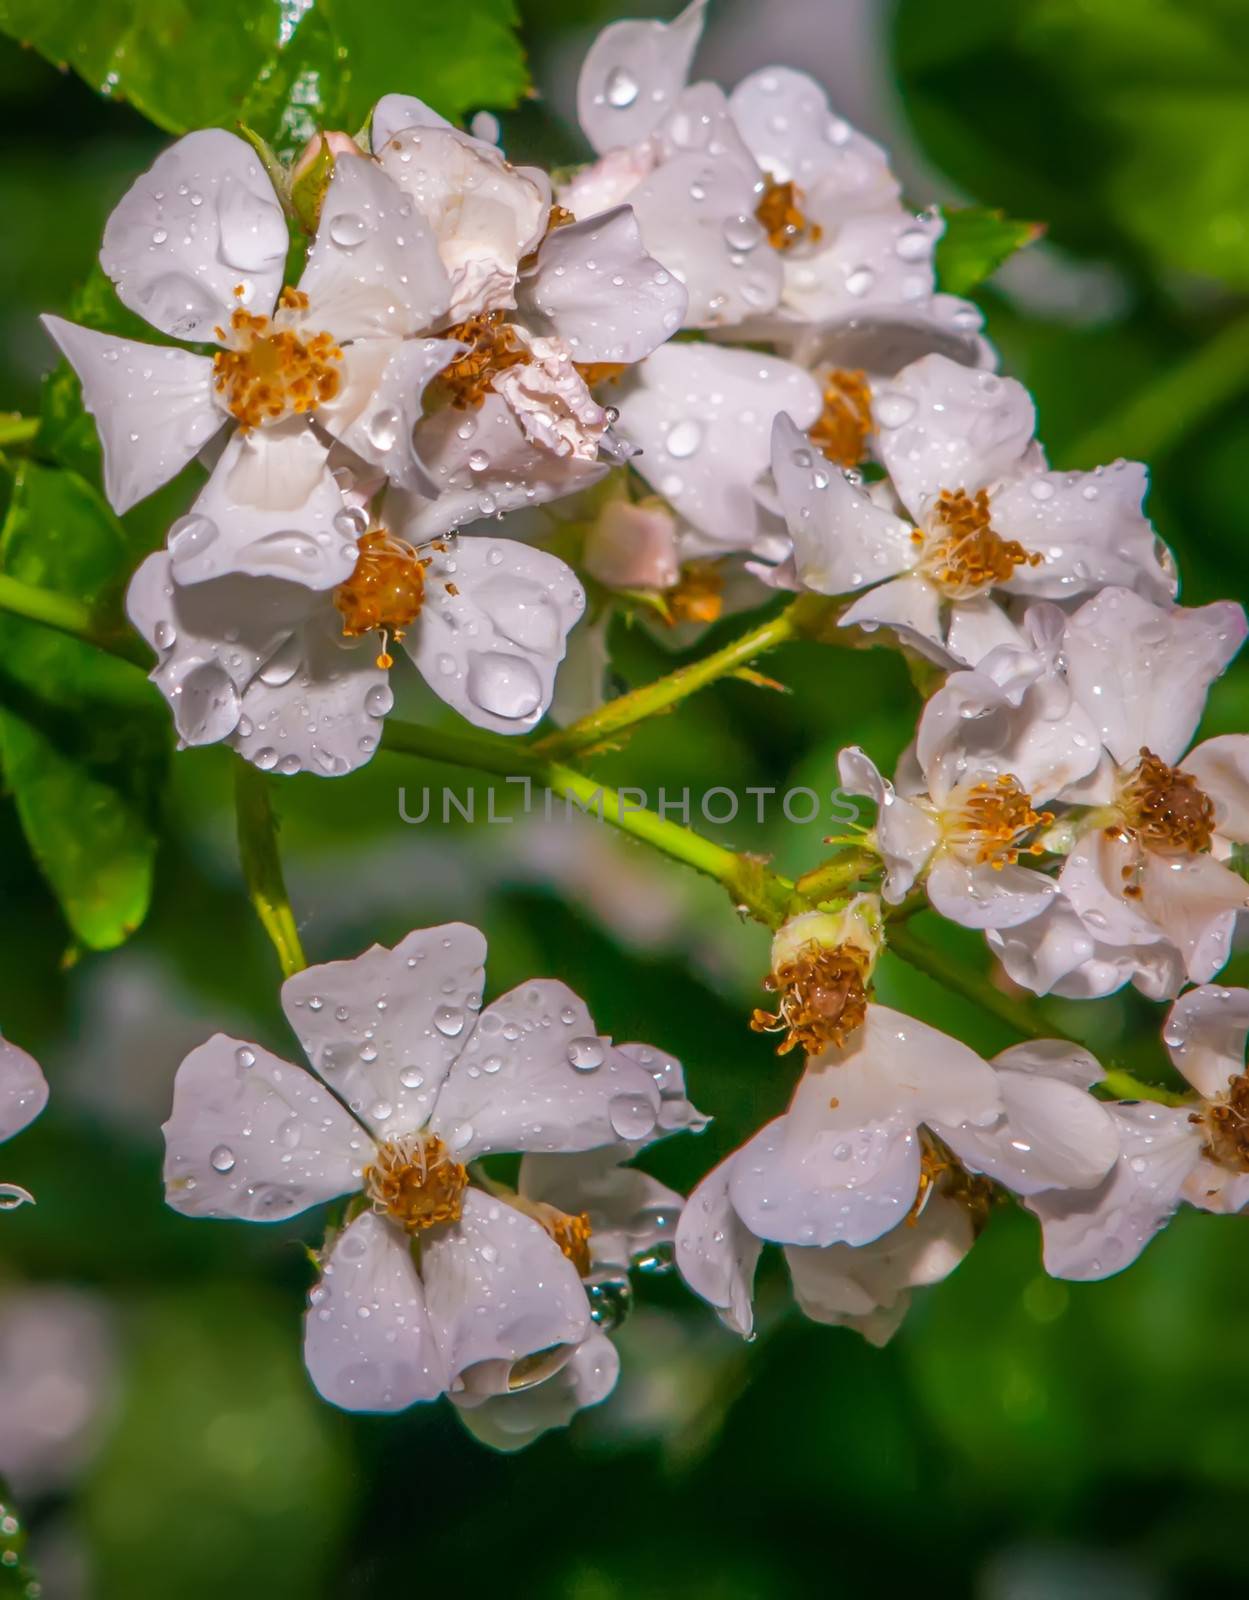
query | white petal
[785, 118]
[677, 1113]
[374, 268]
[1221, 768]
[874, 266]
[905, 835]
[842, 538]
[484, 214]
[23, 1090]
[630, 1212]
[368, 1343]
[1052, 1135]
[1091, 529]
[536, 1076]
[492, 647]
[1094, 1233]
[483, 464]
[380, 404]
[1142, 671]
[882, 340]
[1205, 1034]
[967, 430]
[910, 605]
[604, 296]
[200, 223]
[700, 122]
[977, 626]
[981, 897]
[384, 1027]
[1092, 880]
[703, 417]
[1052, 1058]
[716, 1253]
[273, 510]
[631, 75]
[498, 1288]
[1194, 900]
[695, 212]
[253, 1137]
[512, 1421]
[153, 407]
[1056, 953]
[395, 112]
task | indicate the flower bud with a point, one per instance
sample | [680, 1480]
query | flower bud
[822, 963]
[633, 547]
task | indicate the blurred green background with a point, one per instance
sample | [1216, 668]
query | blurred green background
[1019, 1439]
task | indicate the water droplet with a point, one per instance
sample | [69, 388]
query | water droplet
[411, 1078]
[631, 1116]
[449, 1020]
[683, 439]
[347, 229]
[621, 88]
[742, 232]
[585, 1054]
[245, 1057]
[504, 685]
[222, 1159]
[383, 429]
[189, 535]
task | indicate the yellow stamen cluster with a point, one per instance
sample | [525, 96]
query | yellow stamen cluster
[822, 998]
[415, 1181]
[697, 596]
[843, 427]
[967, 554]
[990, 822]
[386, 590]
[781, 216]
[1225, 1123]
[268, 372]
[571, 1234]
[493, 347]
[1165, 808]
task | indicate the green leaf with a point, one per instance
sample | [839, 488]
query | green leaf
[83, 740]
[975, 244]
[285, 69]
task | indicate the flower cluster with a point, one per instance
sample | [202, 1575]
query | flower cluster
[492, 411]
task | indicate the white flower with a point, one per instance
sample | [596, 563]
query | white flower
[198, 246]
[982, 519]
[992, 745]
[1197, 1152]
[774, 212]
[1146, 893]
[285, 676]
[439, 1284]
[23, 1095]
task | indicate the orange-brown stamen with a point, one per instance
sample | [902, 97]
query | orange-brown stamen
[1225, 1123]
[269, 372]
[386, 590]
[697, 596]
[781, 216]
[1166, 809]
[415, 1181]
[967, 554]
[493, 347]
[593, 372]
[990, 822]
[844, 426]
[822, 998]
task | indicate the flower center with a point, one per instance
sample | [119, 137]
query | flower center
[781, 216]
[414, 1181]
[593, 372]
[1165, 808]
[823, 998]
[990, 822]
[269, 372]
[962, 553]
[697, 596]
[843, 427]
[1225, 1122]
[493, 347]
[386, 590]
[941, 1171]
[572, 1235]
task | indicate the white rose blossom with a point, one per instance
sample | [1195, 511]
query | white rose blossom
[1147, 892]
[439, 1281]
[23, 1095]
[969, 521]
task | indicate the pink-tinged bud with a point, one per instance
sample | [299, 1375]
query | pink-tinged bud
[633, 547]
[336, 142]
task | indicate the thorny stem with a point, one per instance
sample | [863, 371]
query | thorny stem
[809, 614]
[262, 865]
[1020, 1015]
[68, 615]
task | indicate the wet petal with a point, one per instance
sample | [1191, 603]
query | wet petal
[153, 407]
[536, 1076]
[512, 1421]
[981, 897]
[1195, 900]
[1142, 671]
[602, 293]
[384, 1027]
[252, 1137]
[374, 268]
[381, 403]
[630, 1212]
[1205, 1034]
[874, 266]
[493, 628]
[1221, 768]
[632, 74]
[23, 1090]
[716, 1253]
[910, 605]
[498, 1288]
[966, 429]
[368, 1343]
[905, 835]
[201, 223]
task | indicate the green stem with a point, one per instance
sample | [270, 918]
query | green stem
[16, 429]
[754, 889]
[68, 615]
[836, 878]
[262, 865]
[1165, 411]
[803, 616]
[1022, 1016]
